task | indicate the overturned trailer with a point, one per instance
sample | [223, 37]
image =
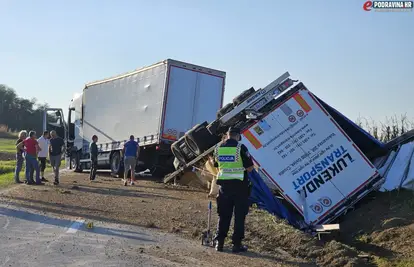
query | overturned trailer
[313, 157]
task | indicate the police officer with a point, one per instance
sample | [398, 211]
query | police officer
[233, 161]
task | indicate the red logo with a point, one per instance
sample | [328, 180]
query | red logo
[300, 113]
[292, 118]
[367, 6]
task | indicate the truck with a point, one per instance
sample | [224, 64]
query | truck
[315, 159]
[157, 104]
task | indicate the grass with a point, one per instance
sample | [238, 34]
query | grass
[7, 166]
[7, 145]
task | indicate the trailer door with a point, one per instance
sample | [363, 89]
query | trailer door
[208, 97]
[178, 113]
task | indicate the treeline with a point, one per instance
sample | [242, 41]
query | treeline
[17, 113]
[385, 131]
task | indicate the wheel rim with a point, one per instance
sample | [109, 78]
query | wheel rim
[115, 162]
[73, 163]
[193, 146]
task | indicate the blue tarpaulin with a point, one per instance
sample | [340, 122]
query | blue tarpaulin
[264, 199]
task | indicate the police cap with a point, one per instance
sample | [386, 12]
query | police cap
[234, 130]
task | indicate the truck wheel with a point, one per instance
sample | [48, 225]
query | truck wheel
[243, 96]
[224, 110]
[75, 162]
[187, 153]
[199, 139]
[178, 154]
[117, 168]
[213, 127]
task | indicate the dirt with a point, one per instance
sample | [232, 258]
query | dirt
[183, 211]
[385, 225]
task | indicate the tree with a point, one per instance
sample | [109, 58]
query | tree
[18, 113]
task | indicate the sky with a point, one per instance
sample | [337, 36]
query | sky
[361, 63]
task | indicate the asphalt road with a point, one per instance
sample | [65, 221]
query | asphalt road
[30, 239]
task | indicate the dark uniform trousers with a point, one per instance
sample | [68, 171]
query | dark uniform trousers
[94, 168]
[227, 202]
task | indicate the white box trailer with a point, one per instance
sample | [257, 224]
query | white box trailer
[157, 104]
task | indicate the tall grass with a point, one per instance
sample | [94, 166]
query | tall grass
[387, 130]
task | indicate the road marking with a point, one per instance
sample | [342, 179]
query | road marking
[7, 221]
[73, 228]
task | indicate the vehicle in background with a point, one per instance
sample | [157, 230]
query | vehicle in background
[157, 104]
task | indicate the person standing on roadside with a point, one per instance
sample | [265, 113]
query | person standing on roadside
[93, 150]
[56, 148]
[32, 148]
[234, 163]
[42, 155]
[19, 157]
[131, 153]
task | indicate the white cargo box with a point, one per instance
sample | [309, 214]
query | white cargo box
[159, 102]
[300, 148]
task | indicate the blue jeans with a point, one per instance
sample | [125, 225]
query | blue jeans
[19, 166]
[31, 163]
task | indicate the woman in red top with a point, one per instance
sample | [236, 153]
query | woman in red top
[31, 148]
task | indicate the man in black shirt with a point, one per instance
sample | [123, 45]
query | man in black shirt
[93, 150]
[233, 161]
[56, 148]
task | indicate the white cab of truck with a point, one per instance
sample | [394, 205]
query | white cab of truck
[312, 162]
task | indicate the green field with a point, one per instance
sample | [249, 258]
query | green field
[7, 166]
[7, 145]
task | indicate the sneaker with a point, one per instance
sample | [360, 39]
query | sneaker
[19, 182]
[44, 179]
[132, 183]
[56, 182]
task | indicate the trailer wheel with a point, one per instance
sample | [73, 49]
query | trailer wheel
[199, 139]
[213, 127]
[116, 164]
[188, 154]
[178, 154]
[243, 96]
[224, 110]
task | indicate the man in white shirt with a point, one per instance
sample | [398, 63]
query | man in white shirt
[42, 155]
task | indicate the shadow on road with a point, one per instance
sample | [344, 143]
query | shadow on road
[29, 216]
[77, 211]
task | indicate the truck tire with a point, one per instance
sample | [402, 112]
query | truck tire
[187, 152]
[199, 139]
[117, 166]
[178, 154]
[75, 164]
[213, 127]
[224, 110]
[243, 96]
